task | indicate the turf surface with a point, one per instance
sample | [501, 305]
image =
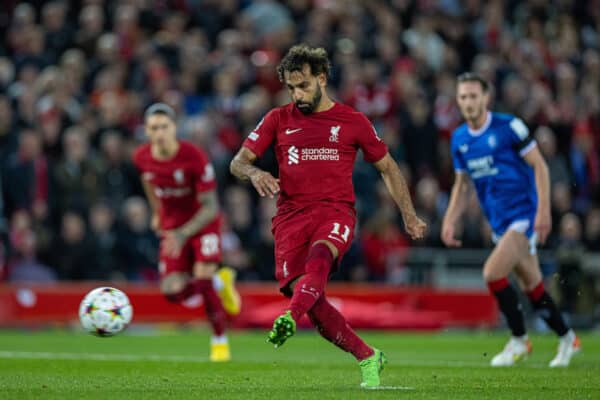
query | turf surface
[165, 364]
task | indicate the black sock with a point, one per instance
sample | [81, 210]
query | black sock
[509, 305]
[546, 309]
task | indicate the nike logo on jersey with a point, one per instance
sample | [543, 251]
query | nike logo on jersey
[463, 148]
[290, 131]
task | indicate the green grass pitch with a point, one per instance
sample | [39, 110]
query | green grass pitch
[169, 364]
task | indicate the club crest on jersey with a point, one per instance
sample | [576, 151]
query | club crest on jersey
[492, 142]
[335, 130]
[463, 148]
[178, 176]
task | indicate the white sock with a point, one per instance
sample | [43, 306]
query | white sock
[569, 336]
[218, 339]
[217, 282]
[522, 338]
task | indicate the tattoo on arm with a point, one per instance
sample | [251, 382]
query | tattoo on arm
[204, 216]
[241, 166]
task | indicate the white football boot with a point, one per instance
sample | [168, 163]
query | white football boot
[517, 348]
[568, 346]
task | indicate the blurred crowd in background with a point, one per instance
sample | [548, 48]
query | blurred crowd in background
[75, 77]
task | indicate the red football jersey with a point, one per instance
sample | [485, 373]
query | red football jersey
[316, 152]
[177, 181]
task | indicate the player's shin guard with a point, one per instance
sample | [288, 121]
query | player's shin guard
[332, 325]
[212, 303]
[547, 310]
[311, 286]
[508, 302]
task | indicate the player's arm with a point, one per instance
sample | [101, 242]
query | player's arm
[154, 204]
[456, 206]
[242, 168]
[543, 217]
[205, 215]
[174, 239]
[396, 185]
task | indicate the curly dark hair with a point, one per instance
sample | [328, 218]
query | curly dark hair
[297, 56]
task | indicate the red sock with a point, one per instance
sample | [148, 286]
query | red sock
[212, 304]
[332, 325]
[310, 287]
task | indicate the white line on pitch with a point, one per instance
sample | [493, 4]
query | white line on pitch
[98, 357]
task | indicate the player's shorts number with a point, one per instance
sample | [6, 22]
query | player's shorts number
[335, 232]
[209, 244]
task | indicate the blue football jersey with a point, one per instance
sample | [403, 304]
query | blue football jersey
[493, 158]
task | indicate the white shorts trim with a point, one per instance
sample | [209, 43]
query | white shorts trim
[521, 226]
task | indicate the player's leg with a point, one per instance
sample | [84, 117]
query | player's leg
[332, 325]
[329, 238]
[528, 271]
[510, 249]
[203, 273]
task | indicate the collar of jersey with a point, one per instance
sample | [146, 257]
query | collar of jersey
[486, 124]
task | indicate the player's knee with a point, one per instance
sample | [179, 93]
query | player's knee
[173, 286]
[490, 275]
[203, 270]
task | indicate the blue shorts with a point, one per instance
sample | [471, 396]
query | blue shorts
[522, 225]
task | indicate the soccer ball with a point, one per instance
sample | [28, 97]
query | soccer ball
[105, 311]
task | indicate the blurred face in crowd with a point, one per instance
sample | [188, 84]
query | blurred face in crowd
[306, 90]
[472, 101]
[161, 131]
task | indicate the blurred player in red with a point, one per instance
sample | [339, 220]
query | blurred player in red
[316, 141]
[180, 185]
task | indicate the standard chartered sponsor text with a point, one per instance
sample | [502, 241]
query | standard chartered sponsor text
[320, 154]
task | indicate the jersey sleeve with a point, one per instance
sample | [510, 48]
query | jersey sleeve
[520, 139]
[204, 173]
[374, 149]
[263, 135]
[457, 159]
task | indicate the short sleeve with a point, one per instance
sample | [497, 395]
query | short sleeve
[204, 173]
[263, 135]
[374, 149]
[457, 159]
[520, 139]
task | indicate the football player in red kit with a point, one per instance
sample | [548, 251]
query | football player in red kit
[316, 141]
[180, 185]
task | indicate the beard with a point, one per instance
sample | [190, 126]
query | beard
[308, 107]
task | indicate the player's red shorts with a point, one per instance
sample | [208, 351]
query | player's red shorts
[295, 232]
[205, 246]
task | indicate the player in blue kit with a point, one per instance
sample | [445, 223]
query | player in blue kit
[512, 183]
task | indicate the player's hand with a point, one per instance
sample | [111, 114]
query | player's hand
[542, 224]
[172, 243]
[415, 227]
[448, 236]
[264, 183]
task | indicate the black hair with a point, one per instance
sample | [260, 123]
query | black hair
[473, 77]
[299, 55]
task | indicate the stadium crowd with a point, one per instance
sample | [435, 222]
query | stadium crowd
[75, 78]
